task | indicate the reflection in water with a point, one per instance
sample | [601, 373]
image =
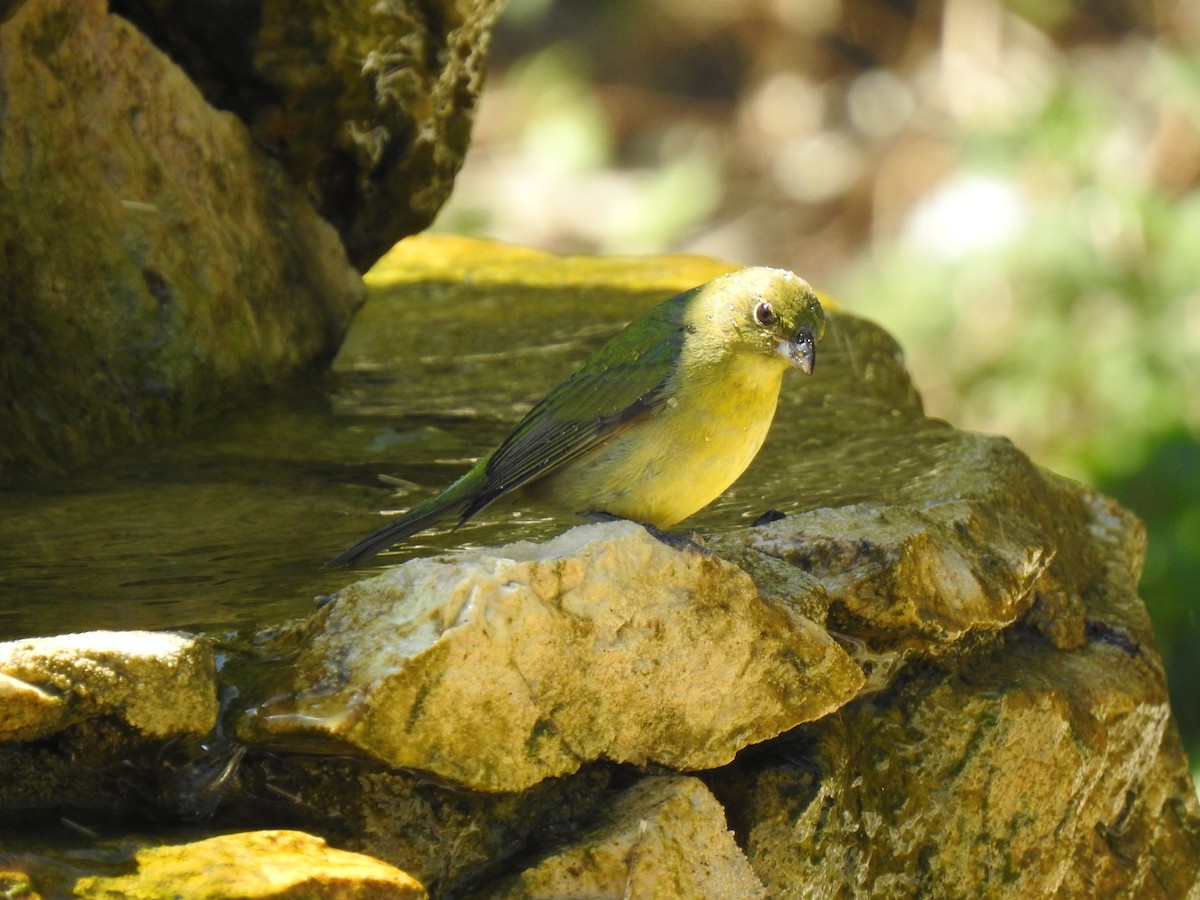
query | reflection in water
[231, 527]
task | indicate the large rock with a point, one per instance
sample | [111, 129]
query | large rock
[368, 106]
[1020, 766]
[497, 669]
[155, 264]
[1011, 736]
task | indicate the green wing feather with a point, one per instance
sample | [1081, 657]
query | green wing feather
[624, 381]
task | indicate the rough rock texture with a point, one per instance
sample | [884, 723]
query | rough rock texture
[972, 539]
[272, 865]
[86, 721]
[368, 106]
[154, 263]
[1011, 737]
[497, 669]
[157, 684]
[1017, 767]
[1044, 774]
[663, 837]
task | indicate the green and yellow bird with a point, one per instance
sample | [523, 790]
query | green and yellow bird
[657, 424]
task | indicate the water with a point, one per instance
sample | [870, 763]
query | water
[230, 528]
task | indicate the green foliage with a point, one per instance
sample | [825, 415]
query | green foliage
[1077, 330]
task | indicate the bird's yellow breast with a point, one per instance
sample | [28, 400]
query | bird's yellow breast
[680, 458]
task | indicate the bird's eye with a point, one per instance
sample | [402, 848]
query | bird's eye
[764, 315]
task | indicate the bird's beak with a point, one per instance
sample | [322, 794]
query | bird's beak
[802, 351]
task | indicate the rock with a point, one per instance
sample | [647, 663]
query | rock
[663, 837]
[499, 668]
[157, 684]
[935, 560]
[449, 838]
[1018, 769]
[86, 721]
[368, 106]
[1011, 738]
[256, 864]
[156, 265]
[1044, 774]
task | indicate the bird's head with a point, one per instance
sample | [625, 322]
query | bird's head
[765, 311]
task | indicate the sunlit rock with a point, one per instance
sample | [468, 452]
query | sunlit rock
[271, 865]
[967, 546]
[85, 719]
[1018, 769]
[663, 837]
[498, 668]
[158, 684]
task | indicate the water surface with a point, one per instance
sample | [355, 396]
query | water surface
[231, 526]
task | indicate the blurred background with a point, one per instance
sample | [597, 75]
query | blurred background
[1011, 187]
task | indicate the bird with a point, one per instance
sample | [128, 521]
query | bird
[656, 424]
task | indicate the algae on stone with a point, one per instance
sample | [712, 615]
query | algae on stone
[158, 265]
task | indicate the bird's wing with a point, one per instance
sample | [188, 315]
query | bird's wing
[626, 380]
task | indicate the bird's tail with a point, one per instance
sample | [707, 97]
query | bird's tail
[455, 500]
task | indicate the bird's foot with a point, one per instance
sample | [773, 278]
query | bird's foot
[677, 540]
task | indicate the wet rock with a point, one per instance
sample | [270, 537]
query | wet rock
[368, 106]
[663, 837]
[157, 684]
[1016, 769]
[257, 864]
[966, 547]
[157, 265]
[499, 668]
[1011, 737]
[86, 720]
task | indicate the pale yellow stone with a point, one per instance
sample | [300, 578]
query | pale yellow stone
[498, 668]
[158, 683]
[255, 865]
